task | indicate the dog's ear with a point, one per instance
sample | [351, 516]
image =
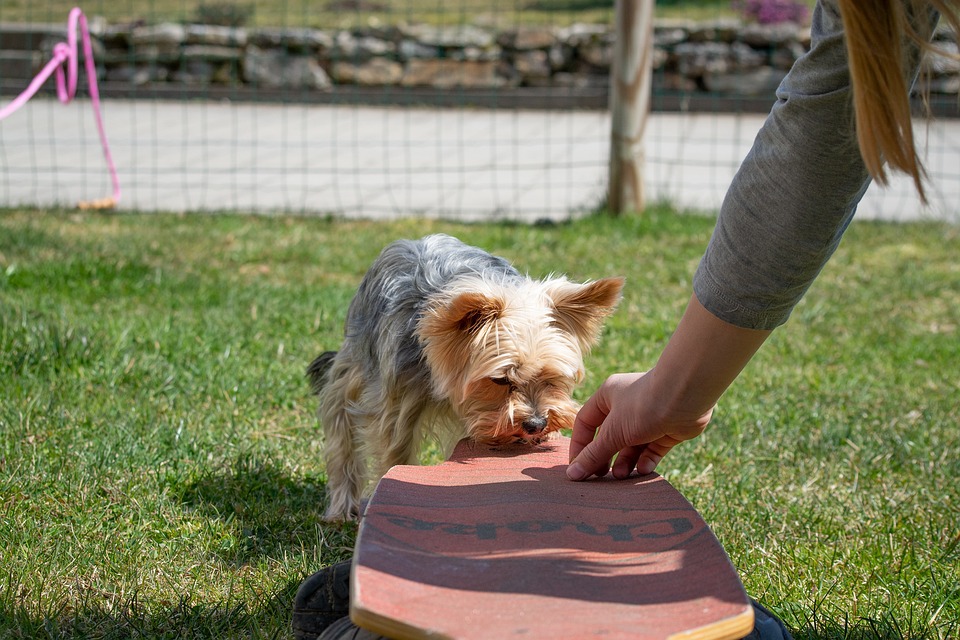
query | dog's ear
[450, 329]
[467, 312]
[451, 333]
[579, 309]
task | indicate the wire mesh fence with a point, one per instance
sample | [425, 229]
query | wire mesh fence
[465, 110]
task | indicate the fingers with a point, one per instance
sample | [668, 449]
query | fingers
[585, 427]
[599, 433]
[626, 461]
[586, 447]
[592, 461]
[653, 453]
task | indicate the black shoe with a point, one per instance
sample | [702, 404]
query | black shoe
[766, 626]
[321, 600]
[343, 629]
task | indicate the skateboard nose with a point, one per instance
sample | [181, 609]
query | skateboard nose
[534, 424]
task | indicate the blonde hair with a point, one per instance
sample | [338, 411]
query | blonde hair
[878, 70]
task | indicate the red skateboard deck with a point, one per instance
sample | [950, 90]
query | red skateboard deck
[497, 543]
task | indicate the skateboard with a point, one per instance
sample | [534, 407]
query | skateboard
[496, 542]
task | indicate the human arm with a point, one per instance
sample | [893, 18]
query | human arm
[643, 416]
[782, 219]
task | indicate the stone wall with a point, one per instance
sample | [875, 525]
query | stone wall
[724, 57]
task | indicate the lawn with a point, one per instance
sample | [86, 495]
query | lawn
[160, 470]
[328, 14]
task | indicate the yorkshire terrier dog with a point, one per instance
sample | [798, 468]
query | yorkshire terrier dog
[447, 340]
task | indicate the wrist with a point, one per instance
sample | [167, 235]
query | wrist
[677, 399]
[702, 358]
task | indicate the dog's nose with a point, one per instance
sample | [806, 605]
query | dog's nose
[534, 424]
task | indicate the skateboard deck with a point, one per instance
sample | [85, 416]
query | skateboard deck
[497, 543]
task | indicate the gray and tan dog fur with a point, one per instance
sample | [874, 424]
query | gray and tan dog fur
[447, 340]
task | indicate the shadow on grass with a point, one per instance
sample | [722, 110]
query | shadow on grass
[137, 619]
[819, 625]
[865, 630]
[142, 619]
[263, 512]
[267, 511]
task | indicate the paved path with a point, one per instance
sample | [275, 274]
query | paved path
[389, 162]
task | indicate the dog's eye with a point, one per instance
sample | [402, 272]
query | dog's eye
[503, 382]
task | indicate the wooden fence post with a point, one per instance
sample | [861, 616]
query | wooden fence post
[630, 77]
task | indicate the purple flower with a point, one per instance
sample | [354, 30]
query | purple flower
[772, 11]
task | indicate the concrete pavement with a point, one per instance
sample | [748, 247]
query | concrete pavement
[391, 162]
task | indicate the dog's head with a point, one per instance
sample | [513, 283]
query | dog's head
[508, 356]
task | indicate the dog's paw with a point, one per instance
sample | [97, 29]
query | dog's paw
[339, 516]
[345, 512]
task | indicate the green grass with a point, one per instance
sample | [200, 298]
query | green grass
[328, 14]
[160, 472]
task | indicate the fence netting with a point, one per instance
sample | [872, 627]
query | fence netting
[464, 110]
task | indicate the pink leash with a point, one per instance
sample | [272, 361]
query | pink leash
[67, 90]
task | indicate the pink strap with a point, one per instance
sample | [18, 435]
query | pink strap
[67, 90]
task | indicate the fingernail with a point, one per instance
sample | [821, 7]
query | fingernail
[576, 472]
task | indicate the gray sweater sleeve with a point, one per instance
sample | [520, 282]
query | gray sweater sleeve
[794, 194]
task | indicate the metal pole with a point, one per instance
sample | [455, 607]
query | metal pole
[630, 77]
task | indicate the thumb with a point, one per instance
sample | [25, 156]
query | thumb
[593, 459]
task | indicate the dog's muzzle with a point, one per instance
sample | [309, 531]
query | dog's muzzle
[534, 424]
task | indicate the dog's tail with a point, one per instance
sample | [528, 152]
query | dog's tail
[318, 369]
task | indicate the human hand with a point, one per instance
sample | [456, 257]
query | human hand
[642, 416]
[627, 417]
